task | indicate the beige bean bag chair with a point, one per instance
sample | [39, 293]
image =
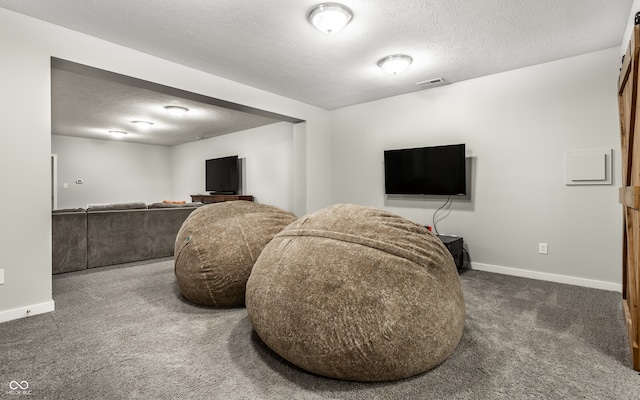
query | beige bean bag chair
[217, 246]
[356, 293]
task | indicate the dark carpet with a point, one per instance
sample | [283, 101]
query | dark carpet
[126, 333]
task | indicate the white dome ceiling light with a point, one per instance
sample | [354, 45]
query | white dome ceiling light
[176, 111]
[118, 133]
[330, 17]
[396, 63]
[142, 124]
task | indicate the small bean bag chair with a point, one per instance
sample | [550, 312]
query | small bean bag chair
[217, 246]
[355, 293]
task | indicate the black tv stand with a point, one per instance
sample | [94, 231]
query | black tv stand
[219, 198]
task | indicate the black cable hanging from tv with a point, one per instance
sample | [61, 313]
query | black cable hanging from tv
[433, 220]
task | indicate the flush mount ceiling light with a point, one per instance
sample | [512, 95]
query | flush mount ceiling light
[142, 124]
[118, 133]
[395, 63]
[176, 111]
[329, 17]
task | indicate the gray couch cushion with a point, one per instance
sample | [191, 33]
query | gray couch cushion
[69, 210]
[165, 205]
[117, 206]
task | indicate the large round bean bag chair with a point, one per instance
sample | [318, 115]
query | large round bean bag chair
[217, 246]
[356, 293]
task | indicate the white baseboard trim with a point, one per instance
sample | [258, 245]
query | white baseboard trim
[28, 311]
[544, 276]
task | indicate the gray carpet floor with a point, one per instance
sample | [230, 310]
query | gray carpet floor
[126, 333]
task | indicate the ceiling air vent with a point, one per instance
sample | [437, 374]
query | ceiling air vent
[431, 82]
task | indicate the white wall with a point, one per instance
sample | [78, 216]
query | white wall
[635, 7]
[25, 221]
[26, 45]
[299, 168]
[111, 171]
[267, 154]
[517, 126]
[114, 172]
[546, 210]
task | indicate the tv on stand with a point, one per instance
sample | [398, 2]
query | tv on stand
[222, 175]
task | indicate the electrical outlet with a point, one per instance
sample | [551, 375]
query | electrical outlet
[542, 248]
[1, 277]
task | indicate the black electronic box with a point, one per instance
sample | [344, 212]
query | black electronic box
[454, 245]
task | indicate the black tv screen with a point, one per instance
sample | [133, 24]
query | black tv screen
[437, 170]
[222, 175]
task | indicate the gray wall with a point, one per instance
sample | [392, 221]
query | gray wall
[581, 225]
[25, 217]
[267, 154]
[115, 172]
[517, 126]
[111, 171]
[635, 7]
[27, 45]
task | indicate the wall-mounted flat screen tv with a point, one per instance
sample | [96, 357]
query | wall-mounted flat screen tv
[222, 175]
[436, 170]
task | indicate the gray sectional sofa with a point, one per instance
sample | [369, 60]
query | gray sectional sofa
[68, 240]
[115, 234]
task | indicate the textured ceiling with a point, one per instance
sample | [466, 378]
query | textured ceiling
[271, 46]
[89, 104]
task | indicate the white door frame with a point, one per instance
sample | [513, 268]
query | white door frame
[54, 181]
